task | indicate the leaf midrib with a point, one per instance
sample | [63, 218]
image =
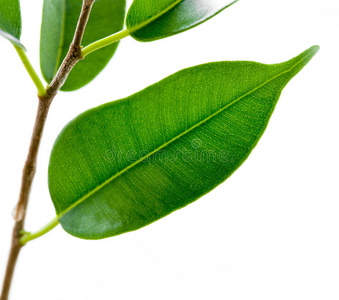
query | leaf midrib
[82, 199]
[62, 37]
[156, 16]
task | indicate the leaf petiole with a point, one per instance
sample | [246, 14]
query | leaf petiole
[105, 42]
[40, 87]
[28, 236]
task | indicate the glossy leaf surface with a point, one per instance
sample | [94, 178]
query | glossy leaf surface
[149, 20]
[59, 22]
[10, 21]
[124, 165]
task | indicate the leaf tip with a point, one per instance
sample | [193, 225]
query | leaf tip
[314, 50]
[309, 54]
[303, 58]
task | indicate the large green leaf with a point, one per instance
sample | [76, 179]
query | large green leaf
[149, 20]
[123, 165]
[59, 21]
[10, 21]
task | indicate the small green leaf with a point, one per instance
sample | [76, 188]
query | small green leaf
[156, 19]
[10, 21]
[126, 164]
[59, 22]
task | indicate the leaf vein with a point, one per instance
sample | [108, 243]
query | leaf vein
[115, 176]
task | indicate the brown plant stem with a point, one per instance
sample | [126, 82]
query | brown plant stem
[71, 59]
[27, 179]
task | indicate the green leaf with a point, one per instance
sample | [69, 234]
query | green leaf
[128, 163]
[10, 17]
[59, 22]
[149, 20]
[10, 21]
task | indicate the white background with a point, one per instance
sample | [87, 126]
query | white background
[269, 232]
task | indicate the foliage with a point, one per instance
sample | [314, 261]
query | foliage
[10, 21]
[140, 158]
[128, 163]
[58, 26]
